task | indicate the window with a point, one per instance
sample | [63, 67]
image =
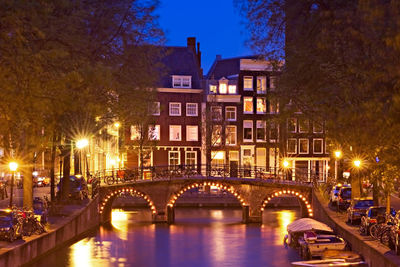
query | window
[247, 105]
[191, 109]
[317, 146]
[216, 113]
[217, 158]
[192, 133]
[147, 158]
[222, 88]
[174, 109]
[232, 89]
[273, 132]
[154, 108]
[230, 135]
[292, 146]
[272, 82]
[154, 132]
[303, 126]
[317, 127]
[303, 146]
[273, 106]
[248, 131]
[174, 158]
[292, 125]
[230, 113]
[213, 89]
[191, 159]
[261, 85]
[135, 132]
[181, 81]
[261, 105]
[175, 133]
[261, 131]
[216, 135]
[248, 83]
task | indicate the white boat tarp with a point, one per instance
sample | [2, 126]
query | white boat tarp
[307, 224]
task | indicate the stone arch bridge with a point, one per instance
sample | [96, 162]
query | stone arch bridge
[161, 195]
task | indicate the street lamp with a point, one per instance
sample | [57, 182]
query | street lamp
[338, 155]
[286, 166]
[357, 164]
[81, 144]
[13, 167]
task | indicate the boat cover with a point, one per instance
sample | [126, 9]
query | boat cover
[307, 224]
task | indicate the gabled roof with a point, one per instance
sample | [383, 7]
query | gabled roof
[179, 61]
[226, 67]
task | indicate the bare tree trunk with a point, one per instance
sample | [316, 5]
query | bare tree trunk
[27, 183]
[52, 167]
[66, 172]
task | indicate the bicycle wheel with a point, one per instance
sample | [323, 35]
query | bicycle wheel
[373, 230]
[109, 180]
[385, 237]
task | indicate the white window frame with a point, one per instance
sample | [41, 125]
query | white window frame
[244, 105]
[307, 123]
[195, 157]
[227, 135]
[276, 125]
[232, 87]
[225, 86]
[157, 130]
[180, 132]
[219, 113]
[234, 112]
[308, 146]
[322, 145]
[252, 131]
[178, 80]
[264, 123]
[263, 87]
[295, 125]
[295, 148]
[187, 108]
[169, 157]
[265, 105]
[213, 89]
[135, 133]
[180, 108]
[187, 133]
[247, 88]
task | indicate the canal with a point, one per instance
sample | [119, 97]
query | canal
[200, 237]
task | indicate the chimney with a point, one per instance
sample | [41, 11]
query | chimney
[191, 43]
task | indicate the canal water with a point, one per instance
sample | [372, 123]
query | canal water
[200, 237]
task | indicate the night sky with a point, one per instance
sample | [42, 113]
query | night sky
[216, 24]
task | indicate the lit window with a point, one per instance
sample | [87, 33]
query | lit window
[303, 146]
[181, 81]
[175, 133]
[261, 131]
[292, 125]
[273, 106]
[261, 84]
[192, 133]
[213, 89]
[216, 113]
[174, 158]
[217, 158]
[247, 105]
[292, 146]
[230, 113]
[303, 126]
[154, 132]
[216, 135]
[191, 109]
[248, 131]
[135, 132]
[222, 88]
[174, 109]
[230, 135]
[191, 159]
[273, 132]
[261, 105]
[317, 127]
[248, 83]
[154, 108]
[232, 89]
[147, 158]
[317, 146]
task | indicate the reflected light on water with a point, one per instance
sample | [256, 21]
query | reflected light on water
[285, 217]
[119, 220]
[217, 214]
[82, 253]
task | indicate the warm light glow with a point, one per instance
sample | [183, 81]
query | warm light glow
[285, 163]
[82, 143]
[117, 124]
[338, 154]
[285, 217]
[13, 166]
[82, 251]
[357, 163]
[35, 173]
[219, 155]
[113, 162]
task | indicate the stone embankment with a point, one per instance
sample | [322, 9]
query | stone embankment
[375, 253]
[72, 223]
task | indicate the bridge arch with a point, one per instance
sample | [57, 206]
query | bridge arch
[304, 202]
[106, 202]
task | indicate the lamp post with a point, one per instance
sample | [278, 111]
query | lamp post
[13, 167]
[81, 144]
[338, 155]
[357, 164]
[285, 167]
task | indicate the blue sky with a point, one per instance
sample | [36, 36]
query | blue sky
[216, 24]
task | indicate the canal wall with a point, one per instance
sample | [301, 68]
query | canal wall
[77, 223]
[374, 253]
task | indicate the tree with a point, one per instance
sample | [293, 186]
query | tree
[339, 67]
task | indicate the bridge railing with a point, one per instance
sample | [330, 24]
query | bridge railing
[116, 176]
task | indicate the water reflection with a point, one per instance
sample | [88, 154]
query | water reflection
[200, 237]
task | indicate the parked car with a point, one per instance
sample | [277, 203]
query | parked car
[344, 197]
[334, 195]
[40, 209]
[78, 188]
[357, 209]
[373, 215]
[10, 225]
